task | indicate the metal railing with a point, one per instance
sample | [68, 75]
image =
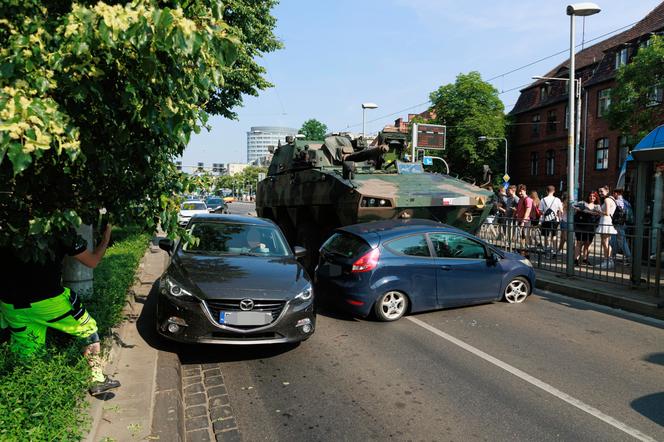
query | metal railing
[545, 245]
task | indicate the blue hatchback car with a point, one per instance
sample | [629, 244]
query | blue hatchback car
[396, 267]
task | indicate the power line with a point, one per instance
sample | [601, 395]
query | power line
[503, 75]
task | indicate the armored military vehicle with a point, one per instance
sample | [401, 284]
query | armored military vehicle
[313, 187]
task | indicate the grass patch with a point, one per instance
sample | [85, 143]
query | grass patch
[44, 399]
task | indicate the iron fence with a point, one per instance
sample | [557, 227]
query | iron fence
[545, 245]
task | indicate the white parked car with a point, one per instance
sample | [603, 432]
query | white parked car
[189, 209]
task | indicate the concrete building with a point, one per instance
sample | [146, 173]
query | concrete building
[235, 168]
[260, 137]
[538, 141]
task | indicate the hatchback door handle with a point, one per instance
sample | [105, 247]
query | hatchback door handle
[446, 268]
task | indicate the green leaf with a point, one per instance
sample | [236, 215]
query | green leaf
[20, 160]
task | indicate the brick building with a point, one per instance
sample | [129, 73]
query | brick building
[538, 137]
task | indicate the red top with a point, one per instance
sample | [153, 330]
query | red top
[524, 203]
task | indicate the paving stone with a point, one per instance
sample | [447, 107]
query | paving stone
[222, 412]
[209, 366]
[196, 423]
[194, 388]
[217, 391]
[219, 400]
[196, 410]
[212, 372]
[202, 435]
[224, 424]
[191, 380]
[191, 371]
[214, 381]
[228, 436]
[195, 399]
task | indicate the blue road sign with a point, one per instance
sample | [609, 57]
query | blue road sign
[427, 161]
[506, 184]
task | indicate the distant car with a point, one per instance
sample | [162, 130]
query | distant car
[216, 204]
[189, 209]
[240, 284]
[396, 267]
[229, 199]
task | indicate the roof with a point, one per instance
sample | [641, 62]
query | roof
[592, 56]
[237, 219]
[651, 147]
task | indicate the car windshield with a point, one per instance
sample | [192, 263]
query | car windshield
[346, 245]
[194, 206]
[214, 201]
[216, 238]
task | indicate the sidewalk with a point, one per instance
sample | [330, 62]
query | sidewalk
[150, 378]
[605, 293]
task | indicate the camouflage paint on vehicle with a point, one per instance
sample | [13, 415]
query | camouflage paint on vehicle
[310, 190]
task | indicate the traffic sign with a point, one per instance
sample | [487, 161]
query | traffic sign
[506, 177]
[427, 161]
[506, 184]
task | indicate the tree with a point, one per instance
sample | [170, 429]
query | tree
[253, 25]
[313, 130]
[470, 108]
[636, 100]
[96, 101]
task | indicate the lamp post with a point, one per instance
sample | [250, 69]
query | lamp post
[366, 106]
[485, 138]
[581, 10]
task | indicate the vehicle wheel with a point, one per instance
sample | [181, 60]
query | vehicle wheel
[517, 290]
[391, 306]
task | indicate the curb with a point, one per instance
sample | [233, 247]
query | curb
[596, 296]
[168, 413]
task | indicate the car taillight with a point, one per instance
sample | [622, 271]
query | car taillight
[367, 262]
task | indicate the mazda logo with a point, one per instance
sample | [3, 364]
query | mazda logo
[246, 304]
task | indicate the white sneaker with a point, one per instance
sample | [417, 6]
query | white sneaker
[607, 264]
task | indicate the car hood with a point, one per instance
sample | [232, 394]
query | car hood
[192, 212]
[235, 277]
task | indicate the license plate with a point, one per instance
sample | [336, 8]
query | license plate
[245, 318]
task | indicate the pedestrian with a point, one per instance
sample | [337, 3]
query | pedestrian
[621, 218]
[510, 213]
[523, 209]
[586, 216]
[605, 227]
[37, 301]
[563, 224]
[500, 219]
[535, 237]
[552, 210]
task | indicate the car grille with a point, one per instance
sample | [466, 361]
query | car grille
[233, 305]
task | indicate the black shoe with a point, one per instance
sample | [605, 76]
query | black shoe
[576, 262]
[103, 387]
[586, 262]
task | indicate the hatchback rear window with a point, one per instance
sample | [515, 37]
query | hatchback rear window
[346, 245]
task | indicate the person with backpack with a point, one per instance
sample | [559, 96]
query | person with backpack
[551, 208]
[535, 217]
[605, 227]
[621, 218]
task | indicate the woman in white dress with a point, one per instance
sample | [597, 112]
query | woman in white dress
[605, 227]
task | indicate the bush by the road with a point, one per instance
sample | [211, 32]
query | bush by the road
[44, 399]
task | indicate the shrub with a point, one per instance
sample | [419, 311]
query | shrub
[44, 399]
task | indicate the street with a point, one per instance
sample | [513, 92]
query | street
[553, 368]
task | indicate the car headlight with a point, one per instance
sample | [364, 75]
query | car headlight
[305, 294]
[173, 288]
[526, 261]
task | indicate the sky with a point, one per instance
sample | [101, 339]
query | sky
[339, 54]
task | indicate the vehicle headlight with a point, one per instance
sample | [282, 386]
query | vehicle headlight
[305, 294]
[526, 261]
[173, 288]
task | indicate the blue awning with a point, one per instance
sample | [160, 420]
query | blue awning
[650, 148]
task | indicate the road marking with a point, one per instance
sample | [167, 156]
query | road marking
[536, 382]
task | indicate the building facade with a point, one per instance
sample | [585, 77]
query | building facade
[235, 168]
[538, 139]
[260, 137]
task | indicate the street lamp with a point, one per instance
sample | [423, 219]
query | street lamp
[581, 10]
[485, 138]
[366, 106]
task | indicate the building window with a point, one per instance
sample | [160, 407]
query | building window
[623, 150]
[655, 95]
[645, 43]
[550, 161]
[621, 58]
[566, 116]
[534, 163]
[535, 125]
[602, 154]
[603, 102]
[551, 121]
[544, 93]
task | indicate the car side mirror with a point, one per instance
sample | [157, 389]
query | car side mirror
[300, 252]
[166, 245]
[493, 258]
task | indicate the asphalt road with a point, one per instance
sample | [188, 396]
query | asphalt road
[586, 373]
